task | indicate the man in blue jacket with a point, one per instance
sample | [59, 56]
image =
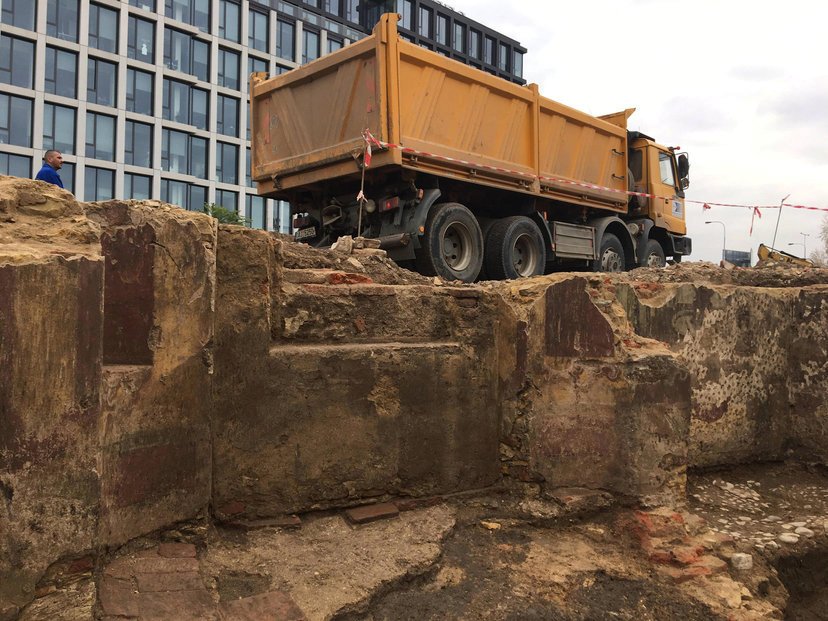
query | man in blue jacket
[52, 162]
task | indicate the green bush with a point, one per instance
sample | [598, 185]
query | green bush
[224, 215]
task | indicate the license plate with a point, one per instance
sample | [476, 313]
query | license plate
[306, 233]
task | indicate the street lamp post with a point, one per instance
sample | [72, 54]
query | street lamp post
[803, 243]
[724, 235]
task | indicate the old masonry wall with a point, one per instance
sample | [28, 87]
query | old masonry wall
[155, 368]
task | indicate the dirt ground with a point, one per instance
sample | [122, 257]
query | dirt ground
[499, 555]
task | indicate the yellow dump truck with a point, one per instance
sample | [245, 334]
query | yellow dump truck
[466, 174]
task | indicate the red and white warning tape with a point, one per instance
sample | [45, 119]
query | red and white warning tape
[371, 141]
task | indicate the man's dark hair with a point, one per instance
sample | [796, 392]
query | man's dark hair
[50, 151]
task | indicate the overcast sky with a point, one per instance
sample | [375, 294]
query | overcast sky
[742, 86]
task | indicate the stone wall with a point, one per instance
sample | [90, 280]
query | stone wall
[597, 406]
[155, 459]
[153, 366]
[334, 387]
[50, 370]
[757, 362]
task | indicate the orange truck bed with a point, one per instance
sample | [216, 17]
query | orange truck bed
[439, 116]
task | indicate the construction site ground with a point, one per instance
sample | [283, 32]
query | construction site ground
[502, 554]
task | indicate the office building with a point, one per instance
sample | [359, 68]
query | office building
[148, 98]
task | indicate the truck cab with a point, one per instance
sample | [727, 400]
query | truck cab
[662, 174]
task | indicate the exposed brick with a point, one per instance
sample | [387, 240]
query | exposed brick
[177, 550]
[687, 555]
[118, 597]
[371, 513]
[348, 278]
[179, 581]
[273, 606]
[81, 565]
[685, 574]
[232, 508]
[178, 605]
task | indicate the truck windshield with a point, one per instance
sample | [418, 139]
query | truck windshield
[665, 166]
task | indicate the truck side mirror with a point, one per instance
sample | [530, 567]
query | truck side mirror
[683, 167]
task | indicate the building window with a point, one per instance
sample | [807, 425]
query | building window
[61, 72]
[15, 165]
[227, 163]
[103, 28]
[101, 80]
[185, 104]
[139, 96]
[186, 54]
[141, 39]
[248, 179]
[285, 40]
[489, 51]
[183, 194]
[474, 43]
[310, 45]
[257, 30]
[424, 22]
[147, 5]
[333, 7]
[406, 9]
[334, 44]
[16, 61]
[15, 120]
[183, 153]
[99, 184]
[193, 12]
[255, 211]
[256, 65]
[228, 69]
[138, 144]
[228, 199]
[100, 136]
[518, 66]
[137, 187]
[442, 29]
[59, 128]
[227, 116]
[352, 11]
[229, 14]
[20, 13]
[281, 216]
[459, 41]
[67, 175]
[503, 58]
[62, 19]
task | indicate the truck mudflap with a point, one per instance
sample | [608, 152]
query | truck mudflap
[681, 245]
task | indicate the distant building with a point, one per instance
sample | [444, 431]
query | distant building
[148, 98]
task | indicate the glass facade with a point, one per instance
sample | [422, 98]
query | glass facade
[149, 98]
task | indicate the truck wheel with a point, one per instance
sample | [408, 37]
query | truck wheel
[611, 257]
[514, 248]
[452, 245]
[653, 255]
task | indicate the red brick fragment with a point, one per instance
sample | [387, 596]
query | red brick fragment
[232, 508]
[81, 565]
[685, 574]
[118, 597]
[371, 513]
[348, 278]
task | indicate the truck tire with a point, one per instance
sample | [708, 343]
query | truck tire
[611, 256]
[452, 245]
[653, 255]
[514, 248]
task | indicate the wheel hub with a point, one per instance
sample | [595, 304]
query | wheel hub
[457, 245]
